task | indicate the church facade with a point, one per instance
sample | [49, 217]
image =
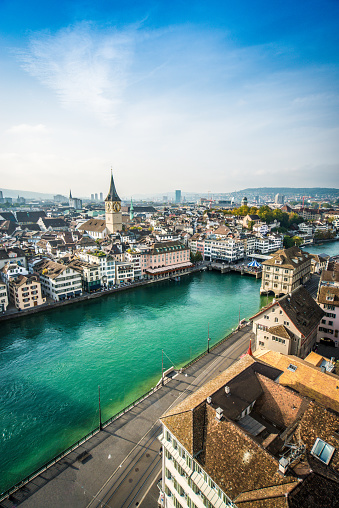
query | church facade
[99, 228]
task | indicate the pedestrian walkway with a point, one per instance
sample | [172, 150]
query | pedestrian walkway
[117, 463]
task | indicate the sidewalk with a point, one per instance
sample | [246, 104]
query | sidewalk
[102, 467]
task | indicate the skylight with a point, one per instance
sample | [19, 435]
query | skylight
[322, 450]
[292, 367]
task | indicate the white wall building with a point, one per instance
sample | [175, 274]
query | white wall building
[58, 281]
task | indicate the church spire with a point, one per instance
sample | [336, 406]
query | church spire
[112, 194]
[131, 211]
[70, 194]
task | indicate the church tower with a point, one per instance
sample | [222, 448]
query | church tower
[113, 209]
[131, 212]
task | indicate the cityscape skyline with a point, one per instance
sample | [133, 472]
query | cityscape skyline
[205, 97]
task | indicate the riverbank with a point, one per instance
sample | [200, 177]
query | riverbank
[15, 313]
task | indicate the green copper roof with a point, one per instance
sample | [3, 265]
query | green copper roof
[112, 194]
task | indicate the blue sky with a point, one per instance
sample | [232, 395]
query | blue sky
[202, 96]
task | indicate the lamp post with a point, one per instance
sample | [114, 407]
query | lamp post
[162, 367]
[100, 424]
[208, 338]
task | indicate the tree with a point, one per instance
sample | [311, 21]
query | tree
[195, 258]
[288, 242]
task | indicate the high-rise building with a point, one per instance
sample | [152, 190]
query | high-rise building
[96, 196]
[165, 199]
[178, 196]
[92, 197]
[279, 199]
[101, 196]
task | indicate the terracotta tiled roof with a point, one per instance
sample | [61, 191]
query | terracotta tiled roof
[302, 310]
[281, 331]
[93, 225]
[306, 379]
[290, 258]
[329, 295]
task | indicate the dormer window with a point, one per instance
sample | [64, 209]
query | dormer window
[322, 450]
[330, 298]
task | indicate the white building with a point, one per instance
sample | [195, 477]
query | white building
[328, 299]
[59, 281]
[3, 297]
[106, 263]
[288, 325]
[285, 271]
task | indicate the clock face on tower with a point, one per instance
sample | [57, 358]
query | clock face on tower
[116, 206]
[108, 206]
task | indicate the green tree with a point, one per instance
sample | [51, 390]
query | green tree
[195, 258]
[297, 241]
[288, 242]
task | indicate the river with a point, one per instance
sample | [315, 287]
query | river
[330, 248]
[51, 363]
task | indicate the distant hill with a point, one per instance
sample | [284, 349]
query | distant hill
[12, 193]
[290, 191]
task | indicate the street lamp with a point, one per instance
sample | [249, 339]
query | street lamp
[208, 339]
[100, 424]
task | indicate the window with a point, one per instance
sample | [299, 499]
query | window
[286, 323]
[276, 320]
[261, 343]
[322, 450]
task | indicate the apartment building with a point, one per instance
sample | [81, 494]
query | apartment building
[244, 440]
[59, 281]
[288, 325]
[90, 274]
[25, 291]
[106, 263]
[328, 300]
[165, 258]
[285, 271]
[3, 297]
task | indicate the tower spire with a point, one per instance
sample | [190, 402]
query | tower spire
[131, 211]
[249, 351]
[112, 193]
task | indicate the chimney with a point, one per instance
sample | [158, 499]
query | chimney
[209, 400]
[227, 390]
[283, 465]
[219, 413]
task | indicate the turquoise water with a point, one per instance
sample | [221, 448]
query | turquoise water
[330, 248]
[52, 363]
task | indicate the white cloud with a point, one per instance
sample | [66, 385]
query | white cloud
[86, 69]
[27, 129]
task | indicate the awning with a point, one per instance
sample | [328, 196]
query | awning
[254, 264]
[169, 268]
